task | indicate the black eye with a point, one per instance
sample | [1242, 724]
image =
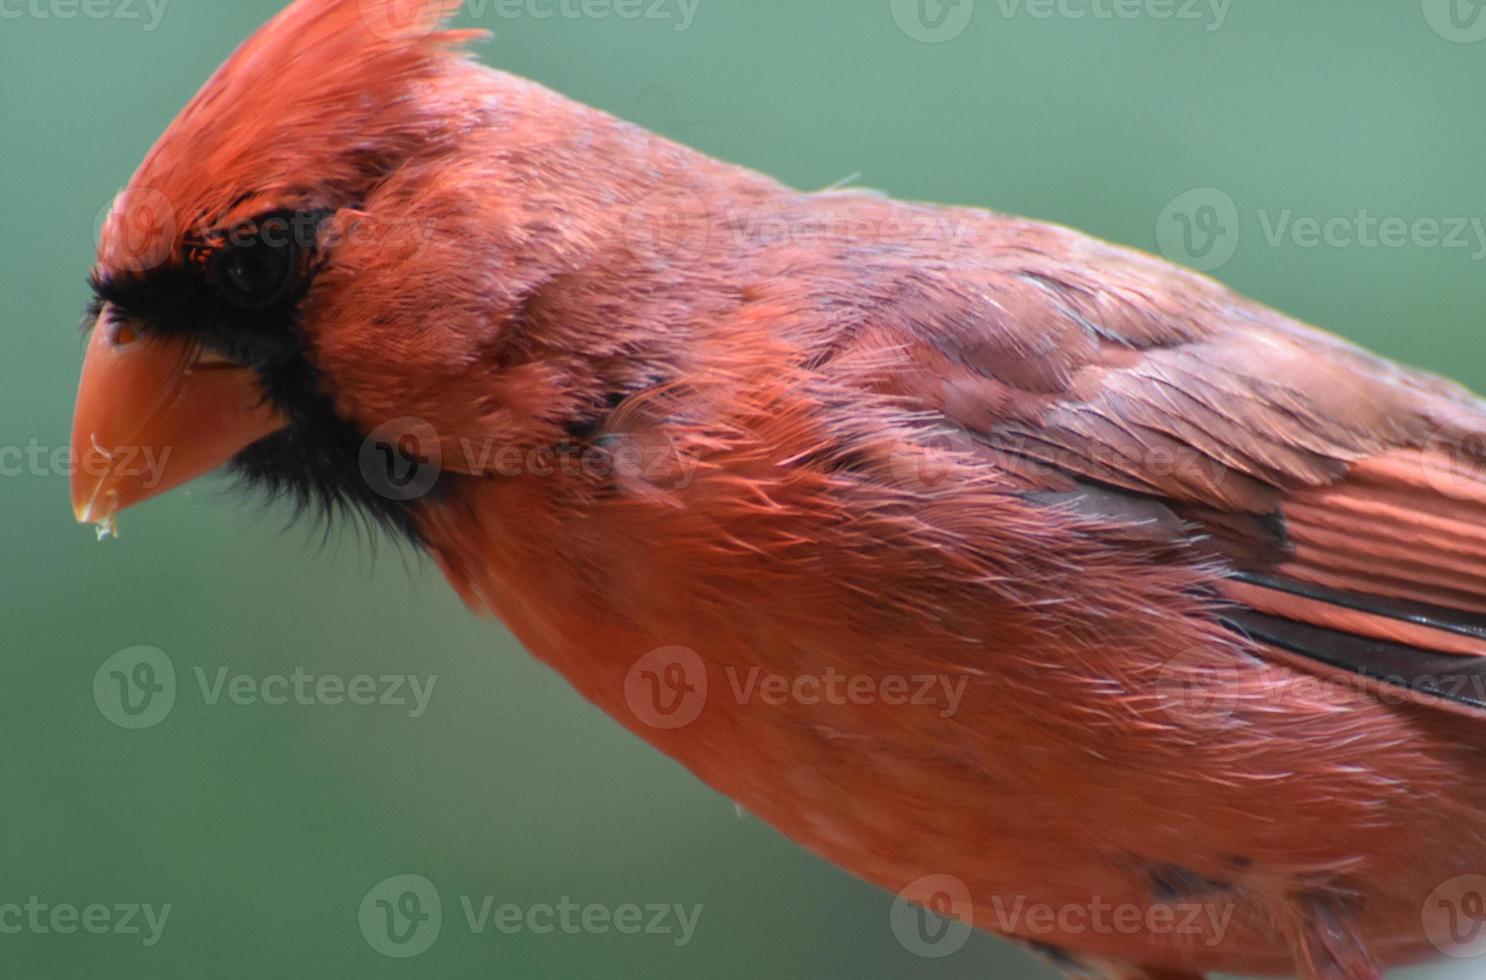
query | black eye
[257, 271]
[260, 263]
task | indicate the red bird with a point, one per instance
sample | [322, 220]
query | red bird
[1050, 584]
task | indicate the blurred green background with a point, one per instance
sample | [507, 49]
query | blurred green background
[263, 827]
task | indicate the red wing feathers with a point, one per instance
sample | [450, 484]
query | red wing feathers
[1346, 495]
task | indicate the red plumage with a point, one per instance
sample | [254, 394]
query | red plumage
[1138, 517]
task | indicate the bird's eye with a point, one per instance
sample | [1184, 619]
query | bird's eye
[256, 272]
[261, 263]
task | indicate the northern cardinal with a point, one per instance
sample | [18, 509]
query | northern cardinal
[1006, 568]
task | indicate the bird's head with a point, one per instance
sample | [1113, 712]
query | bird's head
[324, 242]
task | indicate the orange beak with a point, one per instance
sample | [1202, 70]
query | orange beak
[152, 414]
